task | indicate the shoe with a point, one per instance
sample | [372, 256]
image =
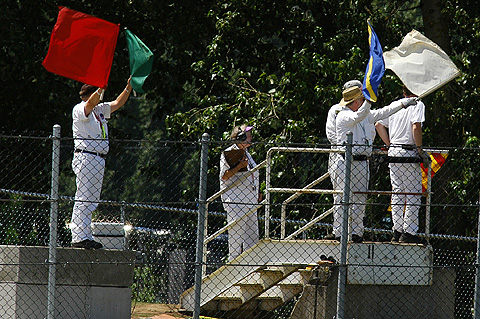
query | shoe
[87, 244]
[407, 238]
[332, 237]
[356, 238]
[324, 260]
[396, 236]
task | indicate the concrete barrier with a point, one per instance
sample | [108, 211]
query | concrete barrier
[380, 301]
[89, 283]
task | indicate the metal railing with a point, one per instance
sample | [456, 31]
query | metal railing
[34, 188]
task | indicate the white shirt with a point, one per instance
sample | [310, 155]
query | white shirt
[251, 183]
[400, 124]
[90, 132]
[330, 126]
[361, 124]
[350, 121]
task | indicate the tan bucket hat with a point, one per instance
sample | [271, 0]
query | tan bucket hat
[350, 95]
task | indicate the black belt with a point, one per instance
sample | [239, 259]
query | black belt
[358, 157]
[404, 159]
[93, 153]
[405, 146]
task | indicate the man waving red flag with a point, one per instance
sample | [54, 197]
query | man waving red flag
[82, 47]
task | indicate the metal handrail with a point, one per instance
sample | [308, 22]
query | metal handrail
[292, 198]
[297, 191]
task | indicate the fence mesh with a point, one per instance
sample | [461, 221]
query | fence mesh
[147, 222]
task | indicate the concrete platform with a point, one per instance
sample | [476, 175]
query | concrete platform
[381, 301]
[89, 283]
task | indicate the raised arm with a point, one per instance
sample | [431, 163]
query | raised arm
[122, 98]
[394, 107]
[353, 118]
[92, 101]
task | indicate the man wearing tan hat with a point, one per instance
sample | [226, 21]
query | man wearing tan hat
[356, 117]
[330, 130]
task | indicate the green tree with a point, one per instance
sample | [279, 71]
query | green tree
[278, 65]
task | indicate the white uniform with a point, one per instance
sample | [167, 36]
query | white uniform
[361, 124]
[333, 158]
[238, 201]
[90, 134]
[405, 177]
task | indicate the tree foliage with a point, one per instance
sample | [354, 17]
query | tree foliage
[278, 65]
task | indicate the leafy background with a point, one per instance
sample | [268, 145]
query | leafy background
[276, 64]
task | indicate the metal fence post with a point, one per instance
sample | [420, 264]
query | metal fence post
[122, 220]
[428, 203]
[52, 243]
[476, 308]
[267, 195]
[202, 200]
[342, 269]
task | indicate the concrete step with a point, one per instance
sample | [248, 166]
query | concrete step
[251, 287]
[278, 295]
[265, 252]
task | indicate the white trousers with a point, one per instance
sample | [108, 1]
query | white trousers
[405, 178]
[359, 178]
[333, 160]
[243, 234]
[89, 170]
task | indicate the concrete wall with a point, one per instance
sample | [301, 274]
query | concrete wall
[381, 301]
[89, 283]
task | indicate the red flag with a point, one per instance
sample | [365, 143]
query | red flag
[82, 47]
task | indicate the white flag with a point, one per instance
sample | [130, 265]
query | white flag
[421, 64]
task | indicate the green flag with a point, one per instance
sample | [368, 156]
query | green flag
[141, 61]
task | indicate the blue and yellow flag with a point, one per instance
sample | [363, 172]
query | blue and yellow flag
[375, 68]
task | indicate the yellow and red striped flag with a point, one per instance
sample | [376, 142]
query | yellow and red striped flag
[438, 159]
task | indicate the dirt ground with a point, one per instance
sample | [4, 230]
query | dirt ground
[142, 310]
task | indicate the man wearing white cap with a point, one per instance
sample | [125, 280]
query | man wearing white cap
[241, 198]
[356, 117]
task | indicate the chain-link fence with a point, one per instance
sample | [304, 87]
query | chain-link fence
[279, 260]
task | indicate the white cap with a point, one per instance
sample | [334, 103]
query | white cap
[351, 84]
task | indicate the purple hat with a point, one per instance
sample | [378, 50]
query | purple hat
[248, 128]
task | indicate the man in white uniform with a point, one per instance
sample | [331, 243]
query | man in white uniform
[404, 138]
[90, 134]
[330, 130]
[356, 117]
[243, 197]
